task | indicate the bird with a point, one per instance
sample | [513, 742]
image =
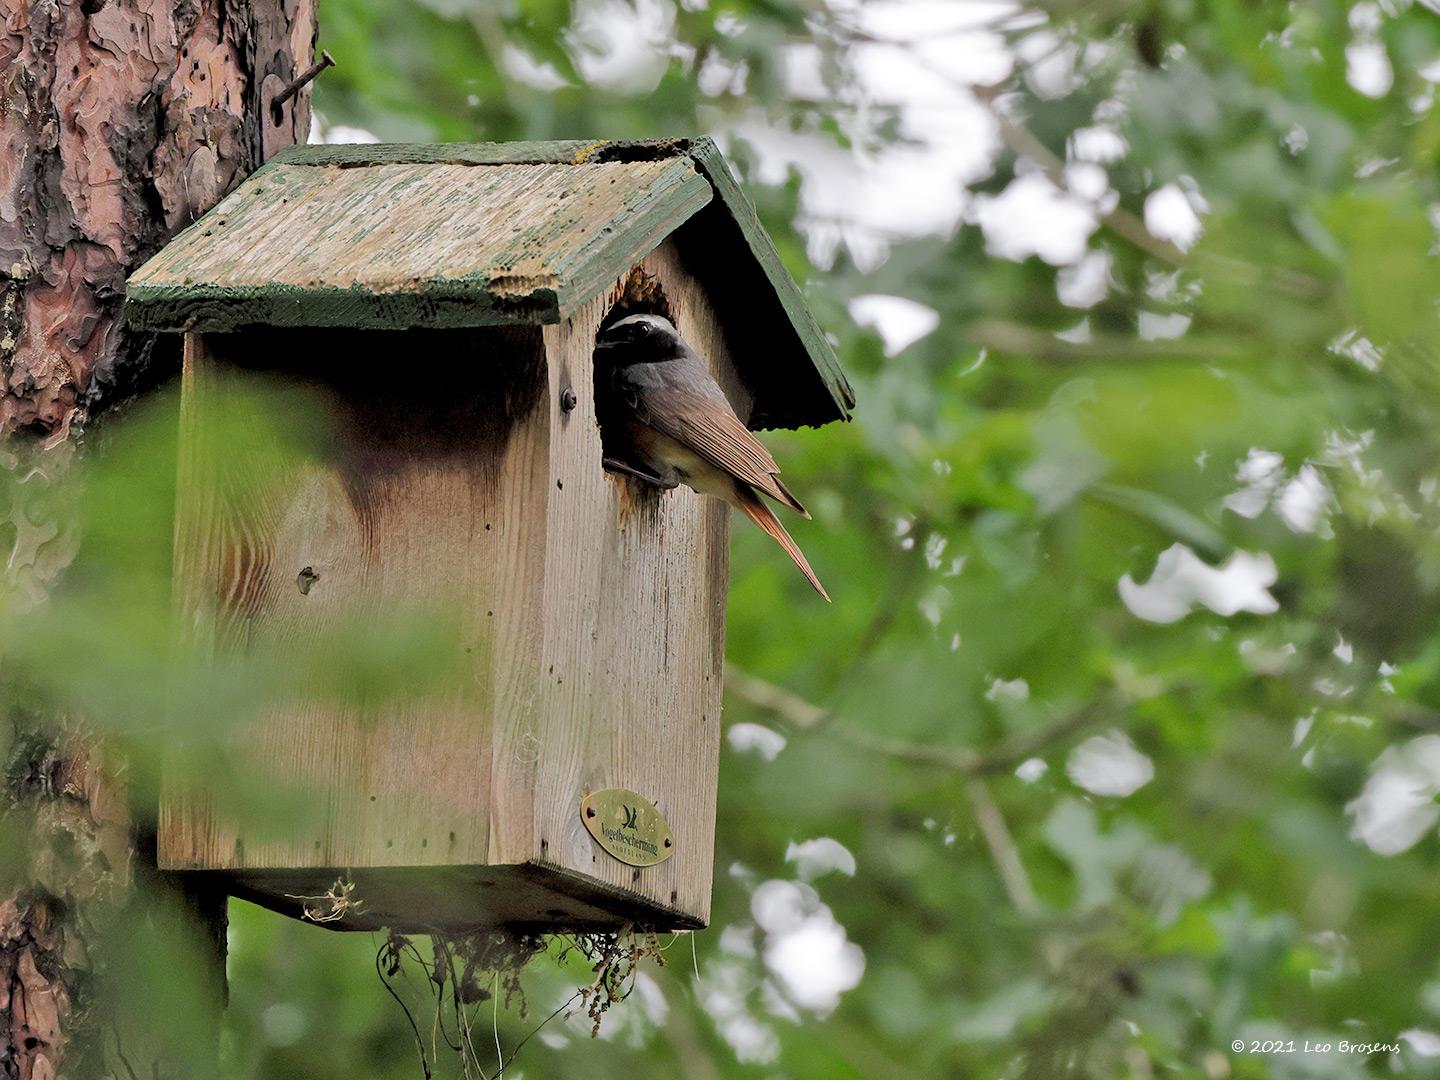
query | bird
[665, 421]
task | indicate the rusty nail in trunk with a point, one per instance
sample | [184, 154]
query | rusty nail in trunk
[325, 61]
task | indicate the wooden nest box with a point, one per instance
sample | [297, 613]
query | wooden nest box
[445, 300]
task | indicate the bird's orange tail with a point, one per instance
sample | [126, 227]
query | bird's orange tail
[762, 515]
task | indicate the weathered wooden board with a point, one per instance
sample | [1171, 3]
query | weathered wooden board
[634, 636]
[458, 234]
[591, 613]
[429, 499]
[402, 245]
[424, 899]
[786, 395]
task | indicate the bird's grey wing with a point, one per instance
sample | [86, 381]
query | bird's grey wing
[679, 399]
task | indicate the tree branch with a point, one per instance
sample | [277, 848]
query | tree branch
[1018, 339]
[1023, 143]
[804, 715]
[972, 765]
[1005, 854]
[1003, 851]
[791, 708]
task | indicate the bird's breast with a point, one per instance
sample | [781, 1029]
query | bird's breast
[669, 456]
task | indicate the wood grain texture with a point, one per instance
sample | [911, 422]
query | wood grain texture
[734, 242]
[592, 608]
[834, 397]
[402, 245]
[634, 641]
[419, 505]
[391, 236]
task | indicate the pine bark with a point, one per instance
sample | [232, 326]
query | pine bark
[121, 121]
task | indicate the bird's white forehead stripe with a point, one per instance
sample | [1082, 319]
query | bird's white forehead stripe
[653, 320]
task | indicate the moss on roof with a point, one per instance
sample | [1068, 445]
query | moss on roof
[457, 234]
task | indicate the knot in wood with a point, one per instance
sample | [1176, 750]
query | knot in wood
[306, 579]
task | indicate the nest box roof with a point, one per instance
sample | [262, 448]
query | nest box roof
[459, 234]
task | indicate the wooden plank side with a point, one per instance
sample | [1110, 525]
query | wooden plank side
[568, 741]
[426, 499]
[635, 595]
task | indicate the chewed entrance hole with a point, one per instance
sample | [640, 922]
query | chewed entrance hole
[639, 294]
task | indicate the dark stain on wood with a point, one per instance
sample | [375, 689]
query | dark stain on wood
[483, 382]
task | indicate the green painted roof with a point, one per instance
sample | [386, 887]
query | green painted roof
[457, 234]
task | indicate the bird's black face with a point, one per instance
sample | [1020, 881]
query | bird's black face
[638, 339]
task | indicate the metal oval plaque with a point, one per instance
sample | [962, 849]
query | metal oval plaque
[628, 826]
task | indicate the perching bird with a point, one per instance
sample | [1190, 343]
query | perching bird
[664, 420]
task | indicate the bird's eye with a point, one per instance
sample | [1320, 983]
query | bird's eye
[646, 328]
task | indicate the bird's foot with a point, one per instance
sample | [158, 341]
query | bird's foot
[617, 466]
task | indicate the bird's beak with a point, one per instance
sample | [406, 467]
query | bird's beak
[601, 346]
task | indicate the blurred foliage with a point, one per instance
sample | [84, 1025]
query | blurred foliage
[105, 644]
[1004, 474]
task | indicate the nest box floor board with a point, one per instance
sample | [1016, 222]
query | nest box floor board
[459, 898]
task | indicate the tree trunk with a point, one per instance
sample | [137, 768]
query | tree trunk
[121, 121]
